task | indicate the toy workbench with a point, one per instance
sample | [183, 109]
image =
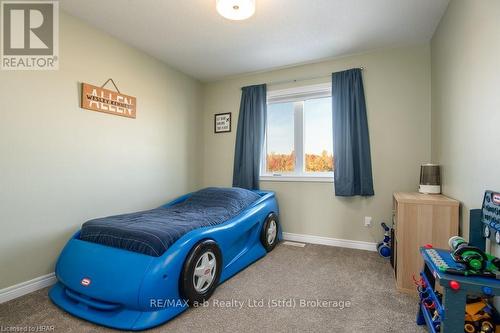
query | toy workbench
[446, 312]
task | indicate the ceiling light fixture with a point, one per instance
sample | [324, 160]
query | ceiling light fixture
[236, 9]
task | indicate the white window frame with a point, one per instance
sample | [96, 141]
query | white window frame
[296, 95]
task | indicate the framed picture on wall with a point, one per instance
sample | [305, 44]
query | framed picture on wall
[222, 122]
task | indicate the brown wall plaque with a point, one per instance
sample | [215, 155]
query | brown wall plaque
[103, 100]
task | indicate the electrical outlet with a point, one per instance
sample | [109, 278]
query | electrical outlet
[368, 221]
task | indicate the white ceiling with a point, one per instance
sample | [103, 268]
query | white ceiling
[189, 34]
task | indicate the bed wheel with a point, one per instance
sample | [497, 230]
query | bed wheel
[269, 234]
[201, 272]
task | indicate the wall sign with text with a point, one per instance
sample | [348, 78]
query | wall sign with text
[103, 100]
[222, 122]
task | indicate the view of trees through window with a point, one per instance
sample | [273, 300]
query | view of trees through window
[316, 136]
[281, 162]
[319, 163]
[313, 162]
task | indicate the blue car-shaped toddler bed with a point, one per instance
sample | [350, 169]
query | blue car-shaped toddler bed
[138, 270]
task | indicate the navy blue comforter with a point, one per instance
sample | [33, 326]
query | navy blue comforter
[152, 231]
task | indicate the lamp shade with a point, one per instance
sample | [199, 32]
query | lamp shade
[236, 9]
[430, 179]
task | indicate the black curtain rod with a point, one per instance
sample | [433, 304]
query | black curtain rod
[308, 78]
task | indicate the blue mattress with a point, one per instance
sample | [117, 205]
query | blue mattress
[151, 232]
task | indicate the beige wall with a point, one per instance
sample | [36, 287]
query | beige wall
[466, 101]
[397, 87]
[61, 165]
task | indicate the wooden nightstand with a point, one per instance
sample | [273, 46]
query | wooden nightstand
[420, 219]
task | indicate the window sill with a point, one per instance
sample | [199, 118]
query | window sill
[307, 179]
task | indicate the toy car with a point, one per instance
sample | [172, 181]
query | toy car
[139, 270]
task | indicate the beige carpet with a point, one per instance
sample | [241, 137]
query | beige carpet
[311, 273]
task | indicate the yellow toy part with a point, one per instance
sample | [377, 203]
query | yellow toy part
[474, 312]
[473, 308]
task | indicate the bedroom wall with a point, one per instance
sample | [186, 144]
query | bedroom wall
[397, 87]
[466, 101]
[61, 165]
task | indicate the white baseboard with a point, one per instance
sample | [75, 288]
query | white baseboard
[351, 244]
[26, 287]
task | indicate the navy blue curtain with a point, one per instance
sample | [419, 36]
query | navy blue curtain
[250, 137]
[351, 142]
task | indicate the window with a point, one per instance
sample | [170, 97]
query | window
[299, 138]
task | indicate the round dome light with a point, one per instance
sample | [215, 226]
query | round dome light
[236, 9]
